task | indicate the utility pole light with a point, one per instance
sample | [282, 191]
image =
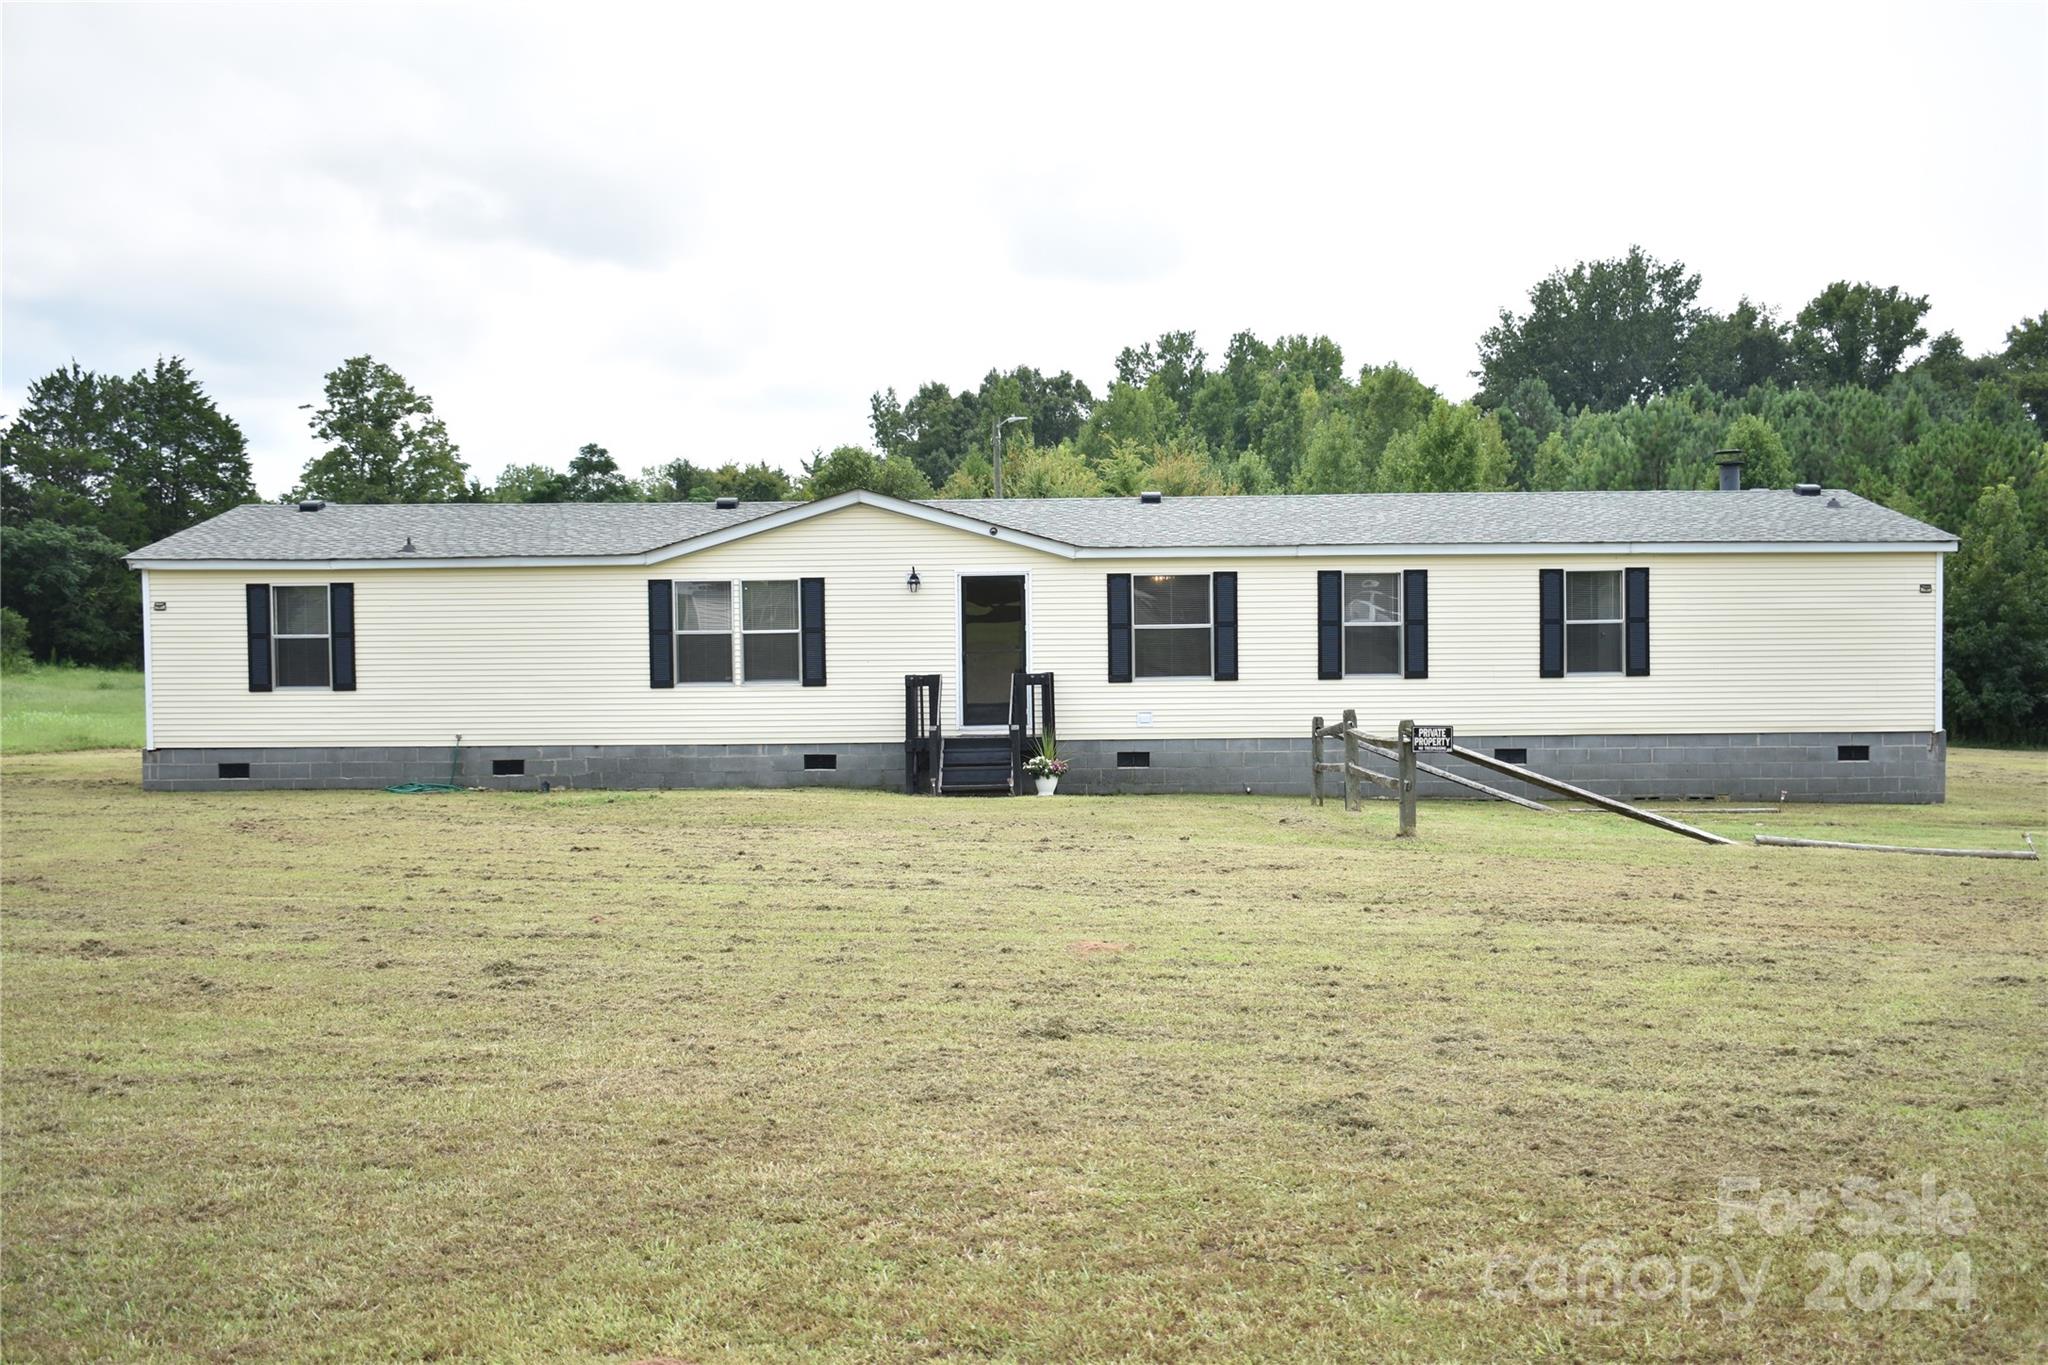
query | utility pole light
[997, 442]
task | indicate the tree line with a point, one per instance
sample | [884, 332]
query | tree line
[1612, 375]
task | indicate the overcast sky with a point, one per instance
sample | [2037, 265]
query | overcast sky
[713, 235]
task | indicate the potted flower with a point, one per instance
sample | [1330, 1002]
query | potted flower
[1045, 766]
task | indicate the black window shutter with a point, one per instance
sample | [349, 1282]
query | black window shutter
[1550, 604]
[259, 637]
[661, 633]
[1636, 600]
[812, 606]
[1223, 597]
[1415, 623]
[1329, 623]
[1119, 627]
[341, 627]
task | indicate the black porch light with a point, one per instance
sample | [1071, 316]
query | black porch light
[913, 582]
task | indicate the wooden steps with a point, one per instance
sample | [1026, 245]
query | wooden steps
[975, 765]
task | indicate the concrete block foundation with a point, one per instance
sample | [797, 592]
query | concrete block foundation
[1902, 767]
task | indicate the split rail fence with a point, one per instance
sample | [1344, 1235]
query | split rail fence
[1400, 749]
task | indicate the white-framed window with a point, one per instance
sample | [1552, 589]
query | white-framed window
[704, 631]
[1592, 621]
[301, 639]
[1372, 624]
[770, 623]
[1170, 626]
[761, 641]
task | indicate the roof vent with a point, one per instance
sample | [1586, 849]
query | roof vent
[726, 504]
[408, 548]
[1834, 502]
[1806, 490]
[1731, 470]
[311, 505]
[1150, 495]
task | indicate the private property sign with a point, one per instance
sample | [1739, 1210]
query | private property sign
[1437, 737]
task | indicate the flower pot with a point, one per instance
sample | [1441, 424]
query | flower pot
[1046, 785]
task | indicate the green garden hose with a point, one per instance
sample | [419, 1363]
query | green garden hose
[423, 788]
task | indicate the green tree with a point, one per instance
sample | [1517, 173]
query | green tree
[937, 428]
[183, 459]
[1601, 334]
[1214, 416]
[1456, 449]
[1338, 458]
[850, 467]
[526, 483]
[135, 458]
[1856, 334]
[60, 450]
[1129, 413]
[1387, 401]
[1048, 472]
[2025, 362]
[1180, 470]
[974, 477]
[1351, 427]
[1765, 463]
[1529, 416]
[1594, 451]
[594, 477]
[14, 645]
[1174, 366]
[681, 481]
[81, 601]
[384, 443]
[1996, 682]
[1732, 354]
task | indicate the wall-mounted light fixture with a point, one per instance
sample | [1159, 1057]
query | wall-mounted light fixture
[913, 582]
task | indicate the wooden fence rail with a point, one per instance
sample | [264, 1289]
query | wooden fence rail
[1591, 798]
[2029, 855]
[1448, 776]
[1401, 752]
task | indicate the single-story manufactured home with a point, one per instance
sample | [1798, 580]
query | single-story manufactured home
[1758, 643]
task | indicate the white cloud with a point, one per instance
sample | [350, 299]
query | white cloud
[714, 233]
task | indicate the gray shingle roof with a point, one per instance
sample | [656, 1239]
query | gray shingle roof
[449, 530]
[1759, 514]
[346, 531]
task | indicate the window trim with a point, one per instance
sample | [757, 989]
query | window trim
[1208, 628]
[1620, 622]
[277, 683]
[732, 660]
[736, 634]
[1399, 625]
[796, 632]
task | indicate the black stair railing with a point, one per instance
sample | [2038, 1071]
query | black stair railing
[921, 738]
[1031, 719]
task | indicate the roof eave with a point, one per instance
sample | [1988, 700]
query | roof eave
[1381, 551]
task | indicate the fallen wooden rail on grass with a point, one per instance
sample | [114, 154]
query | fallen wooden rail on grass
[2030, 854]
[1607, 803]
[1706, 806]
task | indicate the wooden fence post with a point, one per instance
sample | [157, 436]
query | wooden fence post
[1407, 830]
[1350, 759]
[1315, 762]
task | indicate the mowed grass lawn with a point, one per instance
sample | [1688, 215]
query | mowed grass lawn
[52, 708]
[853, 1075]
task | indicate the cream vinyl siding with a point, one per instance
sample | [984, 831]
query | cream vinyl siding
[1738, 642]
